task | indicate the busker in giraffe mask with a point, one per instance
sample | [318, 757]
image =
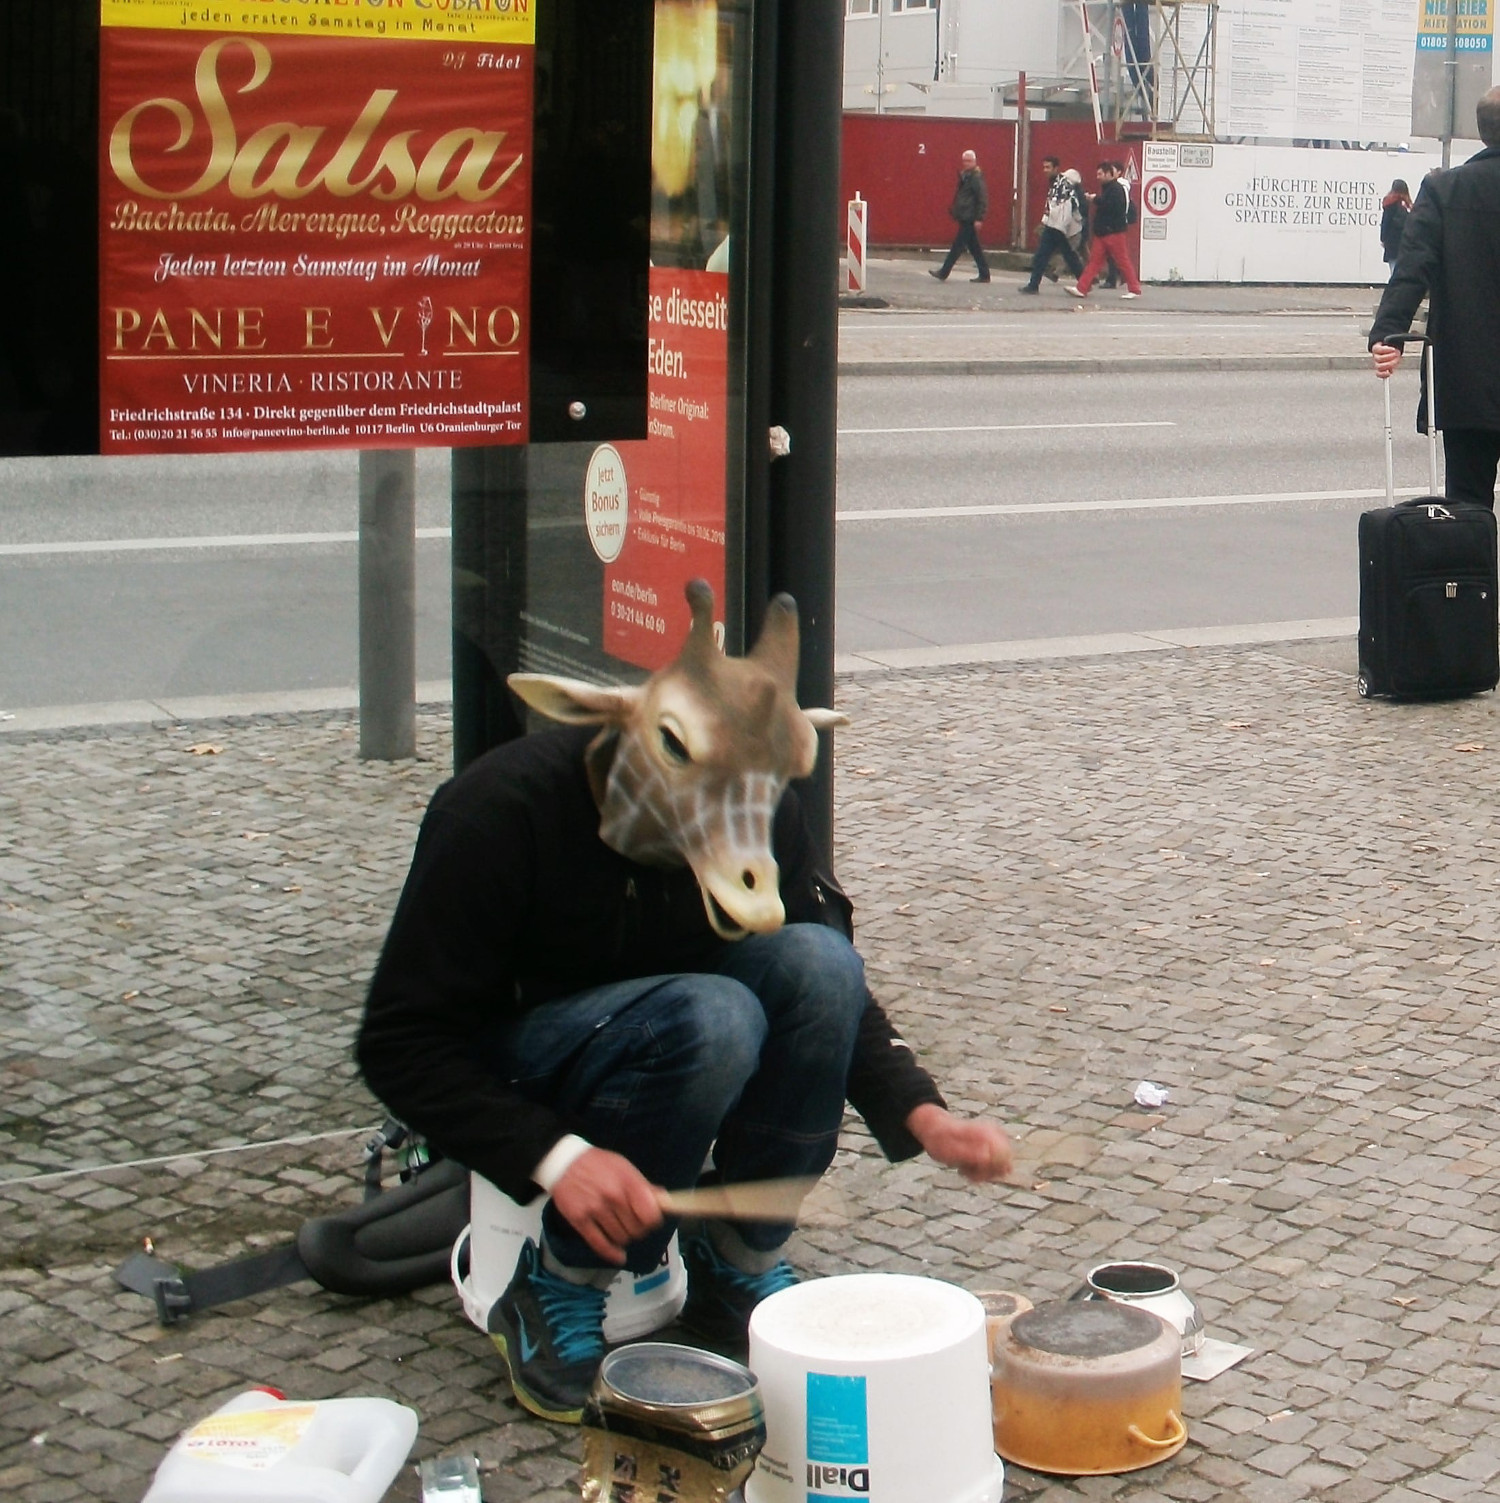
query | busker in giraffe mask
[618, 955]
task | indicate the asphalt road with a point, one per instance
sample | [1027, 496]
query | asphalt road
[972, 510]
[1063, 505]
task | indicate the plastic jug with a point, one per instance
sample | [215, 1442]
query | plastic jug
[262, 1448]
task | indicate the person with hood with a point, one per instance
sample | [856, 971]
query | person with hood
[970, 204]
[1111, 220]
[1395, 208]
[1062, 221]
[1450, 252]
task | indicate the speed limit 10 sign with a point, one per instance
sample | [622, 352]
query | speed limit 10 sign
[1159, 195]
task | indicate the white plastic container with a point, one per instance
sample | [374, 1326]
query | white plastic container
[875, 1386]
[637, 1303]
[262, 1448]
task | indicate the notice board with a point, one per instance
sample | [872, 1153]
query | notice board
[315, 224]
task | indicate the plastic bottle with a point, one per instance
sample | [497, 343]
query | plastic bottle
[262, 1448]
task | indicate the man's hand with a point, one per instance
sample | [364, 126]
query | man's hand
[608, 1202]
[1387, 357]
[979, 1150]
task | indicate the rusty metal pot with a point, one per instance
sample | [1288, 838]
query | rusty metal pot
[1088, 1389]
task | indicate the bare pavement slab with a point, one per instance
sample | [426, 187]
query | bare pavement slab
[910, 325]
[1216, 869]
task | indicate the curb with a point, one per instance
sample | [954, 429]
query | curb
[1027, 365]
[438, 695]
[179, 709]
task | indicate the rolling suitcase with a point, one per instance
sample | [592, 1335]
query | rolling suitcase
[1427, 589]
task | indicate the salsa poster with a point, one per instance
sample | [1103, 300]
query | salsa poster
[314, 224]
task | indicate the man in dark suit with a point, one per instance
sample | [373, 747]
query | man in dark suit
[970, 204]
[1451, 252]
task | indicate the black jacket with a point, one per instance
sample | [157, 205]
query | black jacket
[1393, 217]
[971, 201]
[513, 901]
[1451, 251]
[1111, 209]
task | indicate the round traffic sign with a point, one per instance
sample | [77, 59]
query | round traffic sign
[1159, 195]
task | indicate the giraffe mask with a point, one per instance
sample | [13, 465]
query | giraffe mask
[690, 766]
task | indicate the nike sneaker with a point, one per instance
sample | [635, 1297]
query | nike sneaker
[551, 1334]
[720, 1296]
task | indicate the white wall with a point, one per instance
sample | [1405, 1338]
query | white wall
[983, 43]
[996, 39]
[1274, 214]
[908, 42]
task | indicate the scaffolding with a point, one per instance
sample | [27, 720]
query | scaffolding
[1160, 62]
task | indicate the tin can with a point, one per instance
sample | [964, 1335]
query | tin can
[670, 1424]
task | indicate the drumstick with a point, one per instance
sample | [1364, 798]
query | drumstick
[758, 1200]
[753, 1200]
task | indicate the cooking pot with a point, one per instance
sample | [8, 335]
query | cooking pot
[1153, 1287]
[1087, 1389]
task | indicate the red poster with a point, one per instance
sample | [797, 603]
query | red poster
[656, 507]
[315, 230]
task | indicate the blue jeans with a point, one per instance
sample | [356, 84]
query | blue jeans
[1052, 242]
[749, 1061]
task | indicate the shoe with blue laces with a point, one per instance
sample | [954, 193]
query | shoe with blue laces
[551, 1334]
[720, 1296]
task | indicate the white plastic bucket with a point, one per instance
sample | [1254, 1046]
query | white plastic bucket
[637, 1303]
[875, 1386]
[260, 1448]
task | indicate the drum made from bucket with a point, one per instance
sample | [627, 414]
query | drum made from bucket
[637, 1303]
[874, 1385]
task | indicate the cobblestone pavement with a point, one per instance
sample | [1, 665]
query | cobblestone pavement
[1218, 870]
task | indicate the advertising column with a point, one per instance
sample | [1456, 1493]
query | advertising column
[314, 224]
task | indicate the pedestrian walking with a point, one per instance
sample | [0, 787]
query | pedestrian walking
[970, 204]
[1113, 276]
[1450, 252]
[1063, 218]
[1111, 220]
[1395, 209]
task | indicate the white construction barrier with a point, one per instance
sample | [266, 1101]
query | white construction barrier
[855, 279]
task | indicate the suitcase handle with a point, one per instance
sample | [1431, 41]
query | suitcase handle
[1432, 431]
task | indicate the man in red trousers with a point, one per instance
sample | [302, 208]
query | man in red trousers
[1111, 221]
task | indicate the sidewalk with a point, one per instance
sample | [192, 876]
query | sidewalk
[1216, 868]
[997, 331]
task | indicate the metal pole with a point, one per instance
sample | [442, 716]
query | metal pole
[804, 349]
[1450, 73]
[1019, 225]
[1112, 66]
[880, 6]
[387, 604]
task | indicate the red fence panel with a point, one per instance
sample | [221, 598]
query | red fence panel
[906, 166]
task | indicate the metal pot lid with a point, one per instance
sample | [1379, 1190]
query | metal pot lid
[657, 1372]
[1086, 1328]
